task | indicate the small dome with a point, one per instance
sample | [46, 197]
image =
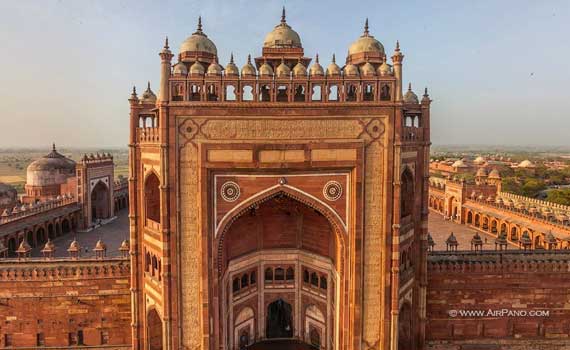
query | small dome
[199, 42]
[482, 172]
[100, 246]
[452, 240]
[24, 247]
[180, 69]
[367, 70]
[316, 69]
[494, 174]
[282, 36]
[48, 247]
[248, 69]
[299, 70]
[283, 70]
[148, 95]
[410, 96]
[74, 246]
[350, 70]
[333, 68]
[479, 160]
[231, 68]
[214, 68]
[384, 69]
[366, 43]
[459, 164]
[526, 164]
[197, 68]
[125, 247]
[265, 70]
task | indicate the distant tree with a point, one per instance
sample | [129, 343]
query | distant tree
[510, 184]
[532, 187]
[559, 196]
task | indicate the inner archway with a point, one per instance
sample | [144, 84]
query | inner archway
[297, 249]
[405, 328]
[279, 320]
[154, 331]
[100, 208]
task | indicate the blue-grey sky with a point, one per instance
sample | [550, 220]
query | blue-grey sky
[498, 71]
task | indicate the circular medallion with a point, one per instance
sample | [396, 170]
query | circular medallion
[332, 190]
[230, 191]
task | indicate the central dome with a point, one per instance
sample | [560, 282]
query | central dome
[199, 42]
[366, 43]
[282, 36]
[53, 161]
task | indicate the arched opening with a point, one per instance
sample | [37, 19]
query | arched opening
[230, 93]
[485, 223]
[299, 93]
[247, 93]
[282, 93]
[333, 93]
[40, 237]
[514, 234]
[51, 231]
[30, 239]
[58, 229]
[538, 241]
[195, 92]
[152, 198]
[385, 92]
[351, 93]
[368, 92]
[405, 327]
[503, 228]
[12, 245]
[212, 93]
[279, 320]
[281, 236]
[100, 202]
[477, 220]
[264, 93]
[469, 217]
[494, 226]
[317, 93]
[407, 194]
[65, 227]
[154, 331]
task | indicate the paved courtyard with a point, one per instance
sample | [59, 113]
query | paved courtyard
[440, 230]
[112, 234]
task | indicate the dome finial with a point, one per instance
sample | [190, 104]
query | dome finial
[232, 58]
[426, 92]
[409, 86]
[249, 58]
[166, 43]
[283, 20]
[53, 146]
[148, 86]
[366, 33]
[199, 24]
[334, 58]
[317, 58]
[397, 45]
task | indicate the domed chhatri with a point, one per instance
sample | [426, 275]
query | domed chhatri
[197, 44]
[316, 69]
[265, 70]
[53, 161]
[366, 46]
[231, 68]
[248, 69]
[333, 69]
[410, 96]
[148, 95]
[282, 36]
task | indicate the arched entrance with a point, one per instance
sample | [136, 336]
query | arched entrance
[65, 228]
[12, 245]
[152, 198]
[279, 320]
[100, 202]
[154, 331]
[40, 237]
[30, 239]
[51, 231]
[405, 328]
[295, 246]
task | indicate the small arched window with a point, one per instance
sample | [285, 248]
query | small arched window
[290, 275]
[300, 93]
[247, 94]
[351, 93]
[252, 278]
[230, 93]
[268, 274]
[152, 198]
[305, 276]
[385, 93]
[282, 94]
[279, 274]
[333, 93]
[195, 92]
[315, 279]
[407, 193]
[244, 280]
[369, 92]
[317, 93]
[264, 93]
[324, 282]
[235, 285]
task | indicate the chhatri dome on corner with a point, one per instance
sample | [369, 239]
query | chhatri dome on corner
[274, 199]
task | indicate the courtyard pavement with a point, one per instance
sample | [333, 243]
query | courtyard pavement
[440, 230]
[112, 234]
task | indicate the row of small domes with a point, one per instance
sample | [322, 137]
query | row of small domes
[283, 70]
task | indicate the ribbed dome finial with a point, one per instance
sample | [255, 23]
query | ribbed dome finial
[317, 58]
[232, 57]
[366, 32]
[334, 58]
[166, 43]
[199, 23]
[409, 86]
[249, 58]
[53, 146]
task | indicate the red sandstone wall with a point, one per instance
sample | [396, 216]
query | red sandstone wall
[530, 283]
[56, 298]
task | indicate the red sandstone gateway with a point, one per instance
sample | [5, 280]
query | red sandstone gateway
[276, 201]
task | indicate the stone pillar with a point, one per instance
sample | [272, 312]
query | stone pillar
[397, 59]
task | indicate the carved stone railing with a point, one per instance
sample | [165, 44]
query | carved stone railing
[26, 210]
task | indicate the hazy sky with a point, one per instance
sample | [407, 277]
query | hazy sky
[498, 71]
